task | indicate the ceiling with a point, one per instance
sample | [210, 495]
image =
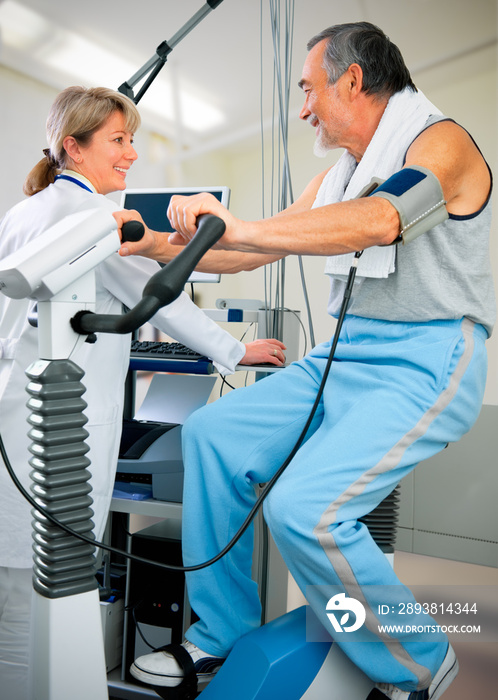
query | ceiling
[224, 61]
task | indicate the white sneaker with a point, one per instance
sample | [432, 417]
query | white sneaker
[162, 668]
[441, 681]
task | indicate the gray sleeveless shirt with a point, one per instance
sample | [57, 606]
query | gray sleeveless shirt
[443, 274]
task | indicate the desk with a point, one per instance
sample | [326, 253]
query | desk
[150, 507]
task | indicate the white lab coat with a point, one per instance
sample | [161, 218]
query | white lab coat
[118, 280]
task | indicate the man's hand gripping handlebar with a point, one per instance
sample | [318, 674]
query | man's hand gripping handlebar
[162, 288]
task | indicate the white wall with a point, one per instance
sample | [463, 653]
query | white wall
[464, 89]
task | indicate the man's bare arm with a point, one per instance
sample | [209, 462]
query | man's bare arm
[157, 246]
[449, 152]
[328, 230]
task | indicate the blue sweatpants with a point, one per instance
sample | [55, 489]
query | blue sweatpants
[397, 394]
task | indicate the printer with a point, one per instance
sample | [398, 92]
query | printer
[150, 453]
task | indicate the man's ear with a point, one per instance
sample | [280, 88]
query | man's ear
[355, 79]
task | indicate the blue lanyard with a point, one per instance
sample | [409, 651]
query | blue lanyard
[73, 179]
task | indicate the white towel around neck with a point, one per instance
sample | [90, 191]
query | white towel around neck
[403, 119]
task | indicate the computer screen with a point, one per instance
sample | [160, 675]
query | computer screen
[153, 204]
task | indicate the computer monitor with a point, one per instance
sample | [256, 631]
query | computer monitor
[153, 204]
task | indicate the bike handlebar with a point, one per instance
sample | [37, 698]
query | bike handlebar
[162, 288]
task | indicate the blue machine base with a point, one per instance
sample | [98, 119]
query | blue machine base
[273, 661]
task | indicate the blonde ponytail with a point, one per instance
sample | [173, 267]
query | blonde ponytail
[42, 175]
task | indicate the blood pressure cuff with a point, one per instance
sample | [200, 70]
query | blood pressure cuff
[417, 196]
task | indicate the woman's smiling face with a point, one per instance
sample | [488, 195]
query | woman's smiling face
[106, 159]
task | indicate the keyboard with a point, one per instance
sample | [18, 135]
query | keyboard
[162, 350]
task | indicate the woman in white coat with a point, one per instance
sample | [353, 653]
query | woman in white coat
[90, 137]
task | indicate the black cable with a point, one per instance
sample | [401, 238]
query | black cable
[224, 383]
[252, 514]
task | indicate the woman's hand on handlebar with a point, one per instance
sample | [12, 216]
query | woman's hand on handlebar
[146, 246]
[268, 351]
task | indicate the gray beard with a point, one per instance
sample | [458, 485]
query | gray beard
[319, 149]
